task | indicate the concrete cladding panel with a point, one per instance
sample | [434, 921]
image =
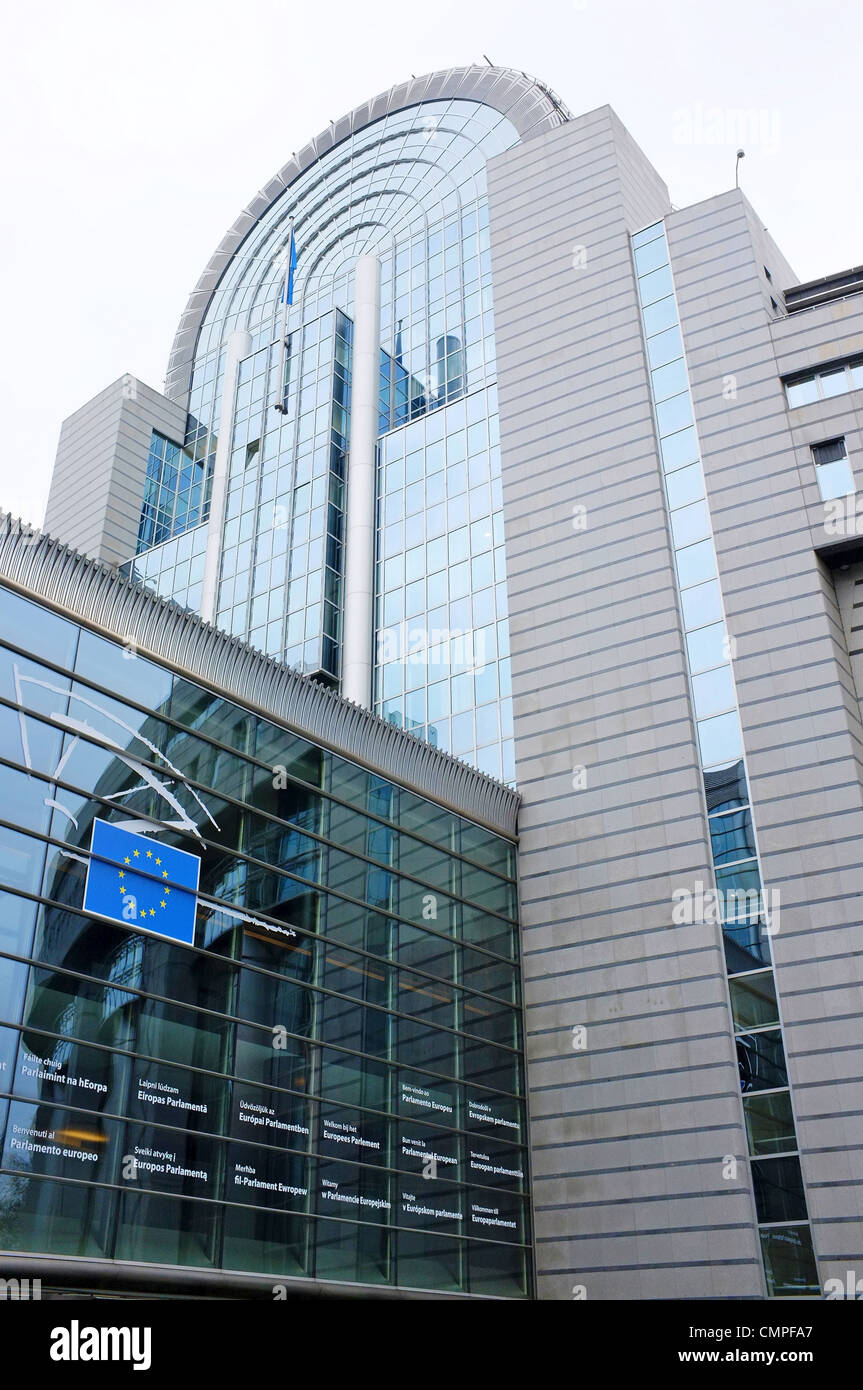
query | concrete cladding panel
[97, 486]
[798, 702]
[630, 1132]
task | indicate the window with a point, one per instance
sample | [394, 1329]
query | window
[789, 1262]
[832, 469]
[769, 1122]
[761, 1062]
[802, 392]
[833, 383]
[823, 385]
[172, 492]
[778, 1184]
[753, 1000]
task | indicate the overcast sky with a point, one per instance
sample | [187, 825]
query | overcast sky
[134, 135]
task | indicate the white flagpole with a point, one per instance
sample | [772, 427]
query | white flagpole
[283, 345]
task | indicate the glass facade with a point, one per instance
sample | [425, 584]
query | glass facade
[174, 569]
[176, 492]
[442, 668]
[329, 1082]
[411, 189]
[742, 904]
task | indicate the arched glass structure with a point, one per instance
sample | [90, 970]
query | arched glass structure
[410, 188]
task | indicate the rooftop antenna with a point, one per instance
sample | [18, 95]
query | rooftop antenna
[488, 60]
[741, 154]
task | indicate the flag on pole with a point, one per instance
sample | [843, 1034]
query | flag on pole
[136, 880]
[291, 267]
[286, 298]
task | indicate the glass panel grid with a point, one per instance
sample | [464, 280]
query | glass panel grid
[399, 1036]
[779, 1192]
[411, 189]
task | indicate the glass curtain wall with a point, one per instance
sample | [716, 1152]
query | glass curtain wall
[780, 1198]
[329, 1081]
[411, 189]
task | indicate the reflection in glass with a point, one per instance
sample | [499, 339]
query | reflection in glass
[36, 630]
[747, 946]
[65, 1218]
[769, 1122]
[725, 787]
[740, 886]
[789, 1263]
[266, 1241]
[732, 837]
[753, 1000]
[427, 1260]
[743, 907]
[213, 1056]
[761, 1061]
[778, 1184]
[167, 1230]
[358, 1253]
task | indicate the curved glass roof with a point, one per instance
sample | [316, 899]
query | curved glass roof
[400, 178]
[404, 160]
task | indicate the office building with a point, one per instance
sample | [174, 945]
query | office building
[559, 480]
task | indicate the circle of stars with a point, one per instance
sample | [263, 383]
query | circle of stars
[136, 854]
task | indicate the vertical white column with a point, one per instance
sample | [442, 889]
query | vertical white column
[358, 607]
[239, 346]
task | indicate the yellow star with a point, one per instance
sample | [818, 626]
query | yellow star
[143, 912]
[167, 890]
[122, 887]
[127, 860]
[136, 853]
[149, 854]
[152, 912]
[158, 861]
[163, 903]
[122, 873]
[164, 873]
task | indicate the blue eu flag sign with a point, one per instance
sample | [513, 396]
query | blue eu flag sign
[138, 881]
